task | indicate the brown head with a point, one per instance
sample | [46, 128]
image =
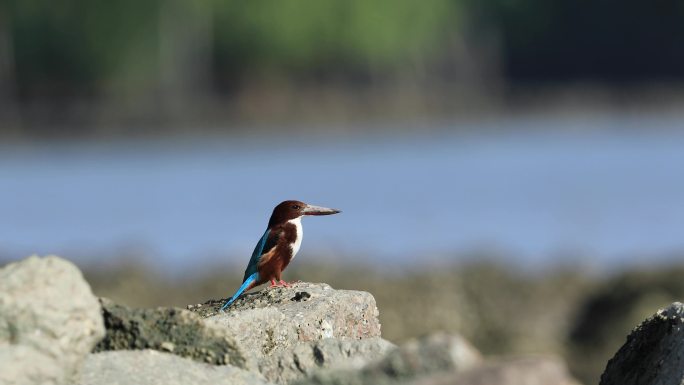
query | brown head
[289, 210]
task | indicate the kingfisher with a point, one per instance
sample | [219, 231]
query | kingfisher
[278, 246]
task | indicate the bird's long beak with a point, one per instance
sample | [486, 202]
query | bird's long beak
[317, 210]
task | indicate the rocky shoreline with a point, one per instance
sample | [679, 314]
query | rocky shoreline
[53, 330]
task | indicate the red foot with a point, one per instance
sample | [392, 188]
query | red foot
[282, 283]
[279, 284]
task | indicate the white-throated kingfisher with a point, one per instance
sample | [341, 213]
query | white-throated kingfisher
[278, 246]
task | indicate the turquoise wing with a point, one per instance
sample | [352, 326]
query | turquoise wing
[259, 250]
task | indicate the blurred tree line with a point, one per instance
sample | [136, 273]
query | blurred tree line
[83, 46]
[122, 49]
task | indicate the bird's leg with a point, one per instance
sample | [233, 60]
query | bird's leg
[284, 283]
[273, 283]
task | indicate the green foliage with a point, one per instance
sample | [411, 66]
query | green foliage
[81, 45]
[301, 34]
[76, 44]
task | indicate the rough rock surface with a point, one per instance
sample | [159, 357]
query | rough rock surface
[49, 321]
[281, 330]
[437, 353]
[303, 312]
[149, 367]
[653, 353]
[176, 331]
[310, 357]
[283, 333]
[510, 371]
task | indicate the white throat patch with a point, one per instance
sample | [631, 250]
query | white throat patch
[300, 234]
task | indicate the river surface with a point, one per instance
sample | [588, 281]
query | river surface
[604, 191]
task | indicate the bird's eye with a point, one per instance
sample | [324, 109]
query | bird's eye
[296, 207]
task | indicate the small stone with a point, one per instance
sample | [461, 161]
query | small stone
[301, 296]
[167, 346]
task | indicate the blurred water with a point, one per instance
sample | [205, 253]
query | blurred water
[610, 188]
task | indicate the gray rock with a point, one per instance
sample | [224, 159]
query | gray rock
[49, 321]
[177, 331]
[430, 354]
[437, 353]
[277, 328]
[149, 367]
[509, 371]
[307, 358]
[283, 333]
[21, 364]
[653, 353]
[303, 312]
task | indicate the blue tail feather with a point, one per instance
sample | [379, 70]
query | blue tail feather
[251, 279]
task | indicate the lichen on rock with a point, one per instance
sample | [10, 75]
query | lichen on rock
[172, 330]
